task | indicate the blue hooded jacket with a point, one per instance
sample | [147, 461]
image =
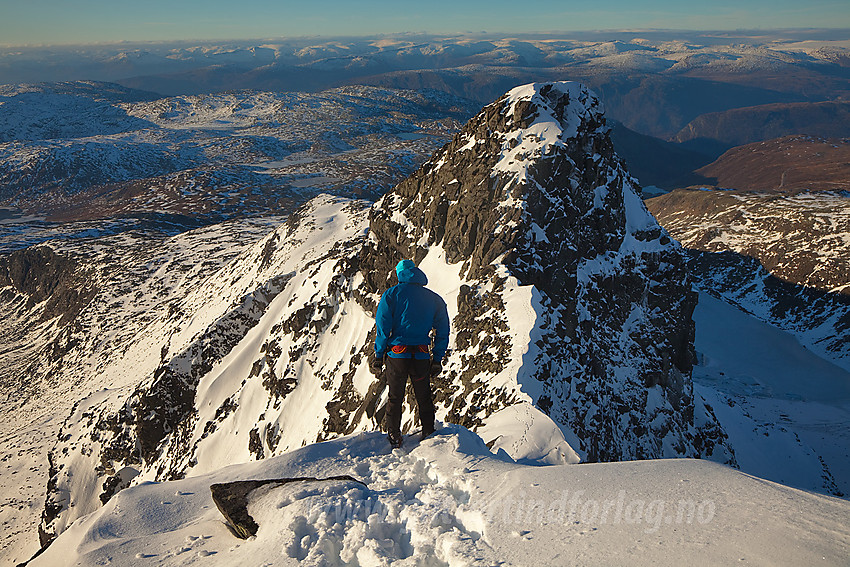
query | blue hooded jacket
[407, 313]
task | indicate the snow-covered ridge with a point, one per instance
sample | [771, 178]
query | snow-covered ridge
[50, 363]
[450, 500]
[143, 408]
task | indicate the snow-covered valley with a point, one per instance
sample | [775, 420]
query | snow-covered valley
[785, 408]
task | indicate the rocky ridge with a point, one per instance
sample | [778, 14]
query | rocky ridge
[76, 316]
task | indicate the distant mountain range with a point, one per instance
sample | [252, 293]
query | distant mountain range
[88, 151]
[654, 82]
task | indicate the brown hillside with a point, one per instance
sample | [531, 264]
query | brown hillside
[789, 164]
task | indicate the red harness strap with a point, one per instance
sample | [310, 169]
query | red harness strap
[405, 349]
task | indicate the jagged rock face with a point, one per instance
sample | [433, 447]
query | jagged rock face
[781, 257]
[41, 275]
[520, 161]
[532, 184]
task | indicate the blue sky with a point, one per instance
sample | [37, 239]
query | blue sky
[24, 22]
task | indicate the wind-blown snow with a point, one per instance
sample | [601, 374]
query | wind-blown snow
[449, 501]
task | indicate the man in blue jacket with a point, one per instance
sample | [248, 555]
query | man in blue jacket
[406, 315]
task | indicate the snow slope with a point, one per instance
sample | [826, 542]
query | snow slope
[449, 501]
[785, 408]
[137, 277]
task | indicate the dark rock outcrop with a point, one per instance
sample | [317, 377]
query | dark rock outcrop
[43, 275]
[231, 499]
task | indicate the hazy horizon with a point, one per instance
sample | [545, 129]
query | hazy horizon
[315, 62]
[823, 34]
[86, 22]
[661, 34]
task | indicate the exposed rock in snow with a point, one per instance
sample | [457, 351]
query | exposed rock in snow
[231, 499]
[42, 276]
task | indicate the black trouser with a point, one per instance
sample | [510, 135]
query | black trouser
[397, 372]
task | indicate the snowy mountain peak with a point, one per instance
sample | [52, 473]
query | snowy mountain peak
[530, 165]
[530, 198]
[553, 112]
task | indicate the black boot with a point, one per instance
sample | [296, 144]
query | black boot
[395, 440]
[426, 432]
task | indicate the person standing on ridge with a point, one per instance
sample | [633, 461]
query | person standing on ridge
[406, 315]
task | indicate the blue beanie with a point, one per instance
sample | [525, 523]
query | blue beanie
[404, 265]
[407, 272]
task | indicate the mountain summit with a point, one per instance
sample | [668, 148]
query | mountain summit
[571, 337]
